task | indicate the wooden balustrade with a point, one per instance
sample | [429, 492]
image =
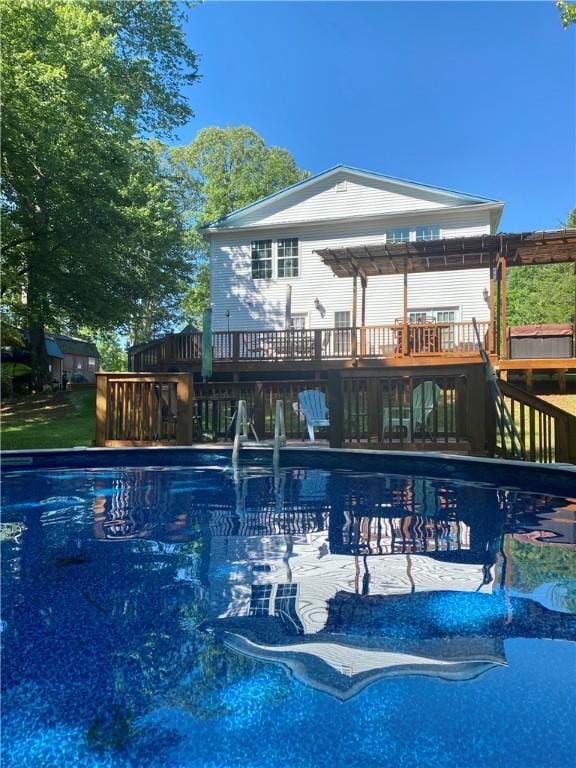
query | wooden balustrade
[367, 342]
[405, 411]
[442, 411]
[547, 433]
[143, 409]
[383, 411]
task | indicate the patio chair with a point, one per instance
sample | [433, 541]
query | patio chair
[424, 399]
[313, 406]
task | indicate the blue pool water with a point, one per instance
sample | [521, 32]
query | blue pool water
[193, 616]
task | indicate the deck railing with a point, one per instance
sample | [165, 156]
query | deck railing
[371, 342]
[547, 433]
[144, 409]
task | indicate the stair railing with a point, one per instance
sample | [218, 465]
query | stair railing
[510, 439]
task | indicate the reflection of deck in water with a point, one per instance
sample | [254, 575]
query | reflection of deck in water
[346, 579]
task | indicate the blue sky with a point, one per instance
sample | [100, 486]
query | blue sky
[473, 96]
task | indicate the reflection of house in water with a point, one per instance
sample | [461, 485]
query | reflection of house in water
[394, 579]
[136, 505]
[344, 579]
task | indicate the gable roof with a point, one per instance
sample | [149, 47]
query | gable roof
[460, 198]
[74, 346]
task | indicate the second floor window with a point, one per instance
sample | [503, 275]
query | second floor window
[412, 234]
[400, 235]
[288, 257]
[427, 233]
[262, 258]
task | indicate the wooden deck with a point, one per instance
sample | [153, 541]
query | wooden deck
[393, 345]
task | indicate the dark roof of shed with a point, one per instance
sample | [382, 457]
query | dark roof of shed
[520, 249]
[73, 346]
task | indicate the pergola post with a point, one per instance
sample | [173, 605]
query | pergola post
[354, 313]
[492, 299]
[364, 284]
[405, 350]
[504, 323]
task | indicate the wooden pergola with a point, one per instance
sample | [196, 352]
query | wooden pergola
[496, 252]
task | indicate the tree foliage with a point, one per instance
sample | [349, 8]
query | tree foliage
[542, 294]
[225, 169]
[567, 13]
[92, 228]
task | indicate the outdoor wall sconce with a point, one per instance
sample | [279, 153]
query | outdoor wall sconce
[485, 295]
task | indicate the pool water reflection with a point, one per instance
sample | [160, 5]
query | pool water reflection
[150, 617]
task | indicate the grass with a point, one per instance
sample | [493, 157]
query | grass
[565, 402]
[56, 420]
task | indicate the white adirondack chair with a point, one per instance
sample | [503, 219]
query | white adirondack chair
[313, 406]
[425, 397]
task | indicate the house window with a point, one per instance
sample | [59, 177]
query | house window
[261, 259]
[342, 337]
[434, 315]
[260, 599]
[400, 235]
[427, 233]
[288, 257]
[91, 363]
[447, 316]
[285, 607]
[79, 364]
[341, 319]
[298, 322]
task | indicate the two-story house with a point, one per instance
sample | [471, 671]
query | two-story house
[266, 272]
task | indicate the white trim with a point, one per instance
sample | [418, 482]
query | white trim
[496, 208]
[359, 173]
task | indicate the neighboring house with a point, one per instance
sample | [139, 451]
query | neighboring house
[81, 358]
[77, 359]
[266, 273]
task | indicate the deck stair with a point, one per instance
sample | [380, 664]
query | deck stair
[507, 430]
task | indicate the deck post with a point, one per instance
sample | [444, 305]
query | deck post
[259, 408]
[235, 346]
[336, 409]
[354, 312]
[504, 332]
[492, 328]
[101, 409]
[364, 284]
[185, 398]
[373, 409]
[477, 409]
[317, 343]
[405, 350]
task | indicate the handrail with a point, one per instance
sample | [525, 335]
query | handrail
[240, 431]
[504, 419]
[442, 339]
[279, 432]
[551, 436]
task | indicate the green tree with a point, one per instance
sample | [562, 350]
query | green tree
[113, 356]
[225, 169]
[90, 225]
[567, 13]
[542, 294]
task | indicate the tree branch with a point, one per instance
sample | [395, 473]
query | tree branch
[17, 242]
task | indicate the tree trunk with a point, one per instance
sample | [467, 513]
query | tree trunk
[36, 314]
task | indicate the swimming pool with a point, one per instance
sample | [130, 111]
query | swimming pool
[351, 609]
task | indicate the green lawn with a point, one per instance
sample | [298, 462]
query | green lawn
[59, 420]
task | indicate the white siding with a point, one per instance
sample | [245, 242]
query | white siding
[255, 304]
[321, 201]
